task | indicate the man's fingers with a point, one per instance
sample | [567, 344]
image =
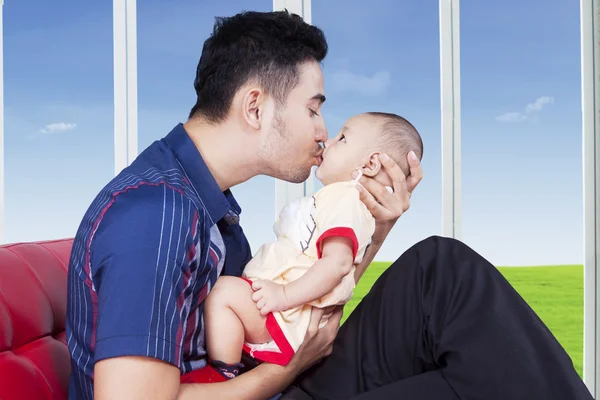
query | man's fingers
[376, 189]
[315, 316]
[336, 317]
[329, 309]
[331, 329]
[371, 203]
[315, 320]
[393, 171]
[416, 173]
[368, 199]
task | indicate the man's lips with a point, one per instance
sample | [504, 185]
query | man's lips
[319, 157]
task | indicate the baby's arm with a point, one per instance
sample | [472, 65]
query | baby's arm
[325, 274]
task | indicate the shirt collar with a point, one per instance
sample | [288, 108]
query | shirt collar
[217, 203]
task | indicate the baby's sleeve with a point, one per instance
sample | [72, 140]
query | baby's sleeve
[341, 212]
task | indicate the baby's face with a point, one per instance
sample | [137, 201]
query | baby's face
[349, 150]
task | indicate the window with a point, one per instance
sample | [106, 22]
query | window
[58, 114]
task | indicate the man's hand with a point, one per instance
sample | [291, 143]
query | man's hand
[269, 296]
[388, 207]
[318, 343]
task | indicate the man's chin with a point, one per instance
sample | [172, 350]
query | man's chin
[295, 176]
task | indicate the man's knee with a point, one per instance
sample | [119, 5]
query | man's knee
[441, 252]
[436, 242]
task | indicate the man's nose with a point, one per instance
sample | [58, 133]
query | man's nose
[321, 133]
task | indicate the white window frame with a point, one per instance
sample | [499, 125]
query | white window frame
[590, 93]
[286, 192]
[125, 83]
[450, 118]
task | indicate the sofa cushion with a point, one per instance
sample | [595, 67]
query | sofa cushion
[34, 359]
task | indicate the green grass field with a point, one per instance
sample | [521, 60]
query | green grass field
[555, 293]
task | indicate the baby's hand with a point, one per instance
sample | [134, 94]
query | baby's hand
[268, 296]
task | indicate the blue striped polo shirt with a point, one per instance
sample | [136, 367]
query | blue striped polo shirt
[146, 254]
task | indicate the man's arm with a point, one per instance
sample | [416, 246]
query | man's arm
[148, 378]
[138, 260]
[387, 207]
[134, 378]
[260, 383]
[376, 243]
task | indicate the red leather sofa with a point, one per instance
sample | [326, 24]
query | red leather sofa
[34, 358]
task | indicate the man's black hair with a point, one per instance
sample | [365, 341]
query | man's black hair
[265, 46]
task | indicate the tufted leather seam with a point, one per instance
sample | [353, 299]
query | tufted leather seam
[64, 267]
[25, 346]
[18, 244]
[12, 322]
[37, 278]
[55, 337]
[35, 367]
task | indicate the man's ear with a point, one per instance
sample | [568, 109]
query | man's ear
[373, 165]
[252, 107]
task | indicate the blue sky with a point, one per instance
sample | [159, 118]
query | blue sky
[521, 111]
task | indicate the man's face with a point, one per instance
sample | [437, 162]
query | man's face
[292, 146]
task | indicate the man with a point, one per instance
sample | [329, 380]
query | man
[440, 323]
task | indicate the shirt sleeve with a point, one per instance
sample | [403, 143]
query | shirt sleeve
[340, 212]
[139, 259]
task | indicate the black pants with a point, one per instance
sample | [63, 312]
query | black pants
[443, 323]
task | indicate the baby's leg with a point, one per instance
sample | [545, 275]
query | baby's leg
[230, 317]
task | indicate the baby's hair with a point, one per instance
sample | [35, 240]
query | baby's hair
[398, 137]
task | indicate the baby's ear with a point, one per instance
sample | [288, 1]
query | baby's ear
[373, 165]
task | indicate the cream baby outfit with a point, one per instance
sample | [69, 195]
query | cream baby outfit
[335, 210]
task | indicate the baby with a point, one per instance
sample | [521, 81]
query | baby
[320, 240]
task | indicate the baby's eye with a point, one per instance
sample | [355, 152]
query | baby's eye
[342, 138]
[313, 113]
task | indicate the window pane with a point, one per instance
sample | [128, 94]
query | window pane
[522, 173]
[59, 114]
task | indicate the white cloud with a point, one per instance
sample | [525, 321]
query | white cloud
[529, 113]
[375, 85]
[58, 127]
[511, 117]
[538, 104]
